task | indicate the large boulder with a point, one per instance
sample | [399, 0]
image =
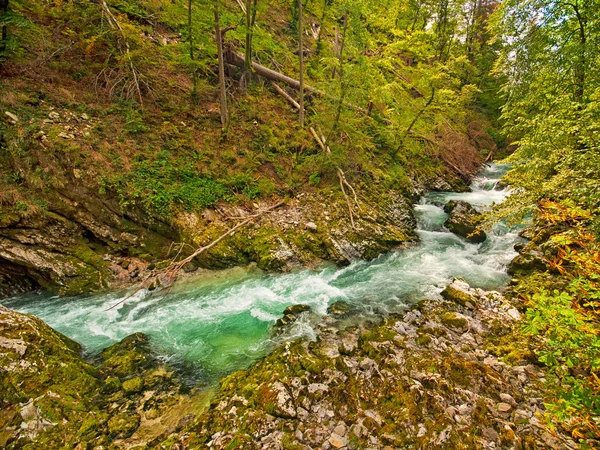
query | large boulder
[44, 383]
[463, 221]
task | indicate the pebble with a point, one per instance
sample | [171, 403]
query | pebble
[311, 226]
[503, 407]
[337, 441]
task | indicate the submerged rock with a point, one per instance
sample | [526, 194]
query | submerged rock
[339, 309]
[463, 221]
[290, 315]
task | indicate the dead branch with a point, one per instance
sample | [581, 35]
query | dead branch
[237, 60]
[285, 95]
[319, 141]
[341, 177]
[168, 276]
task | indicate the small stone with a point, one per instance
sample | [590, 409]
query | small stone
[190, 267]
[514, 314]
[339, 308]
[359, 430]
[311, 226]
[372, 418]
[54, 115]
[490, 434]
[13, 117]
[503, 407]
[84, 116]
[507, 398]
[340, 429]
[337, 441]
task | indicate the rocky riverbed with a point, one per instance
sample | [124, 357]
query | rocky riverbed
[427, 379]
[433, 377]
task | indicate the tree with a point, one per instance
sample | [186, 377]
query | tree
[191, 44]
[222, 85]
[3, 19]
[251, 10]
[301, 55]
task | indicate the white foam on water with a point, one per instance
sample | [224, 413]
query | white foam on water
[221, 322]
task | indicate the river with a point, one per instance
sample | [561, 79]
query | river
[218, 322]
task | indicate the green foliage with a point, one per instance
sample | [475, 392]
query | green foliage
[162, 185]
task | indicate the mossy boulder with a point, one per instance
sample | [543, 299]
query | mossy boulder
[454, 320]
[339, 309]
[129, 356]
[123, 425]
[464, 221]
[133, 385]
[527, 263]
[290, 315]
[459, 292]
[43, 381]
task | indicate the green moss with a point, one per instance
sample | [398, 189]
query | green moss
[453, 320]
[133, 385]
[457, 296]
[123, 425]
[423, 340]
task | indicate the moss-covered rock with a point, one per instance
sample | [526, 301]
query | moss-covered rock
[464, 221]
[411, 382]
[123, 425]
[44, 382]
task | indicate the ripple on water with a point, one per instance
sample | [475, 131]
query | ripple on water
[218, 323]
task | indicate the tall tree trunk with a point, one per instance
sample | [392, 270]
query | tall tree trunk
[580, 69]
[342, 82]
[301, 55]
[222, 86]
[191, 43]
[250, 20]
[3, 11]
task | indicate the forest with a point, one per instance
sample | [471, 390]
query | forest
[144, 142]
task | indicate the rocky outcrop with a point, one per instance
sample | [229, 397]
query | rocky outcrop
[463, 221]
[308, 230]
[84, 241]
[51, 398]
[423, 380]
[43, 381]
[70, 245]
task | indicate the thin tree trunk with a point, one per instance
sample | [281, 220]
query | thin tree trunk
[191, 43]
[250, 20]
[342, 84]
[301, 54]
[414, 121]
[222, 86]
[248, 53]
[3, 10]
[580, 66]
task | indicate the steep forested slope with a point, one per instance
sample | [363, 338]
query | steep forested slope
[113, 146]
[551, 54]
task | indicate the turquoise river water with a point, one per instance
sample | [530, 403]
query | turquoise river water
[219, 322]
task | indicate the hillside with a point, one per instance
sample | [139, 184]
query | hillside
[114, 157]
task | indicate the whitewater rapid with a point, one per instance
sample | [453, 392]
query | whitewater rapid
[219, 322]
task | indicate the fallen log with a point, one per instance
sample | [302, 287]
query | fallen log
[237, 60]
